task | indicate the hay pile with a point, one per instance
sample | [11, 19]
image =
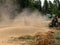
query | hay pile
[44, 38]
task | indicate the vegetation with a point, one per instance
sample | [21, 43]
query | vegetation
[29, 37]
[57, 35]
[26, 37]
[47, 8]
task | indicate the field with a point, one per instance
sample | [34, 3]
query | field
[22, 30]
[10, 32]
[20, 20]
[23, 35]
[57, 36]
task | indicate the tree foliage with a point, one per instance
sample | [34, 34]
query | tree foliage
[46, 8]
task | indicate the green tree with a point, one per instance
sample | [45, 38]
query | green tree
[45, 7]
[56, 5]
[21, 3]
[37, 5]
[51, 7]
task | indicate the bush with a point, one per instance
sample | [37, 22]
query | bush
[44, 38]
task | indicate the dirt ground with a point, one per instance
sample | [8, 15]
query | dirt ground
[15, 31]
[6, 32]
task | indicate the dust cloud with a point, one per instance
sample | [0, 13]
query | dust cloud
[9, 15]
[25, 23]
[25, 18]
[14, 24]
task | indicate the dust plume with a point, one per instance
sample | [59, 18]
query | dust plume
[24, 23]
[25, 18]
[14, 24]
[9, 15]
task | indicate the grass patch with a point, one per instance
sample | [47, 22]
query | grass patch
[26, 37]
[58, 38]
[57, 35]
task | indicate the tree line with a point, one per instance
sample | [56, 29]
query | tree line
[47, 8]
